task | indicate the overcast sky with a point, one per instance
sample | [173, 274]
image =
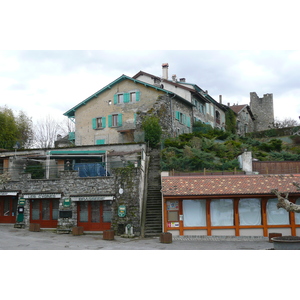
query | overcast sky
[52, 79]
[52, 82]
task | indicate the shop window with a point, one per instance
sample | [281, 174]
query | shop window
[35, 211]
[221, 211]
[194, 213]
[83, 212]
[276, 216]
[173, 213]
[106, 211]
[297, 215]
[250, 211]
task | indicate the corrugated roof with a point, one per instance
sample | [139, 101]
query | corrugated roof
[228, 185]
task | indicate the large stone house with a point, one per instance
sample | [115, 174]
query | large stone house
[114, 114]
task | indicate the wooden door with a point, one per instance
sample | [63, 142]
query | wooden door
[8, 209]
[44, 212]
[94, 215]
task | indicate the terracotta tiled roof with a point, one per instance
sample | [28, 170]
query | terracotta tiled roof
[237, 108]
[228, 185]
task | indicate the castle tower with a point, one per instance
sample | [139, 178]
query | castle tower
[263, 111]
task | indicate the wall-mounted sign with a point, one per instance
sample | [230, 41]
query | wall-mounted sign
[122, 211]
[44, 196]
[92, 198]
[21, 201]
[67, 202]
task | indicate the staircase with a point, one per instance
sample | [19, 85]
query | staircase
[153, 221]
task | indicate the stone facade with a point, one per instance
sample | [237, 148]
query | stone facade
[263, 111]
[125, 187]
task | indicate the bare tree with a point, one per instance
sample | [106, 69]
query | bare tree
[287, 122]
[46, 132]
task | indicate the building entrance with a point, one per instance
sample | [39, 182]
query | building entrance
[44, 212]
[94, 215]
[8, 209]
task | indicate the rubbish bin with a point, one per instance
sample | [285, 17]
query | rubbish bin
[166, 237]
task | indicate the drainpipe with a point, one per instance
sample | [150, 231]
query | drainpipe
[48, 165]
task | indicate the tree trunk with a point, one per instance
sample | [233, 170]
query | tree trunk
[283, 201]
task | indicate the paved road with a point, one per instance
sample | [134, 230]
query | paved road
[22, 239]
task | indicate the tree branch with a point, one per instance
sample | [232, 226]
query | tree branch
[283, 201]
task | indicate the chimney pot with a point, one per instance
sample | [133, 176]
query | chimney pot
[174, 77]
[182, 79]
[220, 99]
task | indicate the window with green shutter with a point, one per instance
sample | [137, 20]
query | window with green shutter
[99, 123]
[115, 120]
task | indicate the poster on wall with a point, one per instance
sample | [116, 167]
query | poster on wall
[173, 205]
[173, 224]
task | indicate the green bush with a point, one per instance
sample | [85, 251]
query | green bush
[152, 130]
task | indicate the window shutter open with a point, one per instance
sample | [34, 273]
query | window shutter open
[119, 119]
[126, 97]
[115, 99]
[137, 96]
[110, 121]
[103, 122]
[94, 123]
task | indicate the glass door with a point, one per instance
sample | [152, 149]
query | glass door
[8, 209]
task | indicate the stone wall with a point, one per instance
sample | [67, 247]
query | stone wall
[127, 179]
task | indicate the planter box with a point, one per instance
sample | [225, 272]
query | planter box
[34, 227]
[108, 234]
[286, 243]
[77, 230]
[166, 237]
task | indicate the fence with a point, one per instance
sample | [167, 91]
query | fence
[276, 167]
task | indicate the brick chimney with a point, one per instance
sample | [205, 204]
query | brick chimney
[165, 68]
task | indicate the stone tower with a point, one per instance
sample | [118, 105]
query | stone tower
[263, 111]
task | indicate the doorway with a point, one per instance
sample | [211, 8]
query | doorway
[8, 209]
[94, 215]
[44, 212]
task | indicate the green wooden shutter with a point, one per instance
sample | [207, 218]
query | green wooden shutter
[103, 122]
[126, 97]
[134, 116]
[115, 99]
[94, 123]
[177, 115]
[110, 121]
[137, 96]
[119, 119]
[100, 142]
[188, 121]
